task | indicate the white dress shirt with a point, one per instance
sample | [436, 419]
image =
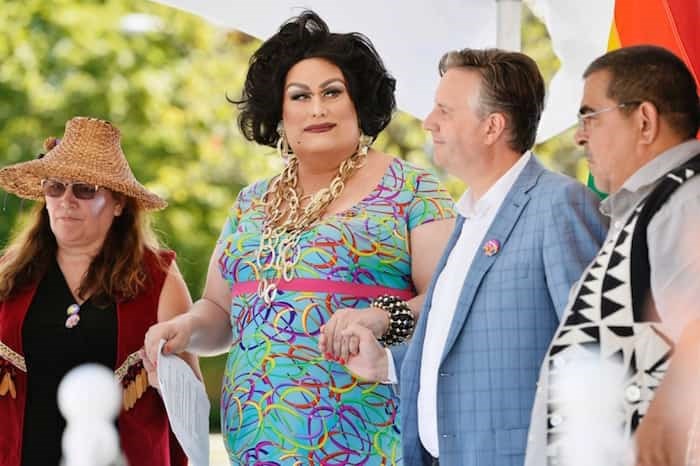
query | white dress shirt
[479, 215]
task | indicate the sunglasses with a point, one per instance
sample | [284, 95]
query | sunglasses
[55, 188]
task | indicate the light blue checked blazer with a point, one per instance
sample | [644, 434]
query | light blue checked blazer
[549, 228]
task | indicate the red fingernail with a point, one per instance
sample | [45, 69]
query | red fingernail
[341, 361]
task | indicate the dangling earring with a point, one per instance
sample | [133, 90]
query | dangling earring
[364, 144]
[282, 144]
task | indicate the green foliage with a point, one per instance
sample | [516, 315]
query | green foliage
[165, 87]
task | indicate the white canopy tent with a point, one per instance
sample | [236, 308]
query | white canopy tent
[412, 35]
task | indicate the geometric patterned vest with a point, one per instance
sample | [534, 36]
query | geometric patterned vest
[613, 318]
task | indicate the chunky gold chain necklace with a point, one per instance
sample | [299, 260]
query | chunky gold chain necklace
[285, 220]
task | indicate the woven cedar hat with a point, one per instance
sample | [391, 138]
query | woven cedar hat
[89, 152]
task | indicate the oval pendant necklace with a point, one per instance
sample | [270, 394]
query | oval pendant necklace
[73, 318]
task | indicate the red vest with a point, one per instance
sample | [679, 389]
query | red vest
[144, 431]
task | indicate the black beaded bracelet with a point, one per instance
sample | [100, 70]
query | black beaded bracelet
[401, 320]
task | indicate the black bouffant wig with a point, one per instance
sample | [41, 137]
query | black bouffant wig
[370, 86]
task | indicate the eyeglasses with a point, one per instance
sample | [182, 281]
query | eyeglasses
[583, 118]
[55, 188]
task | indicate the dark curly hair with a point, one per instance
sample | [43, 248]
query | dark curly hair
[370, 86]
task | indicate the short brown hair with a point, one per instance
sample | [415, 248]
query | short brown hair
[647, 73]
[511, 84]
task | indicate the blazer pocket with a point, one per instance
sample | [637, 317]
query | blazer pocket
[511, 441]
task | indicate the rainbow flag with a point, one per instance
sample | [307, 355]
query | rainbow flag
[672, 24]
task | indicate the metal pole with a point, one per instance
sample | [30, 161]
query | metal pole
[509, 14]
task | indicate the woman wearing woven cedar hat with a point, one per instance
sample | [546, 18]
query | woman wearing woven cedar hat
[308, 251]
[82, 282]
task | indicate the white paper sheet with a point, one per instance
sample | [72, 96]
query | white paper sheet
[187, 405]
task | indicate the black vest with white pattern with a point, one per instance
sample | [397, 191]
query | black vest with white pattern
[613, 318]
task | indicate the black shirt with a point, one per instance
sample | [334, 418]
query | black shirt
[50, 351]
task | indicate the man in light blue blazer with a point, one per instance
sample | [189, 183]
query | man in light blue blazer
[524, 235]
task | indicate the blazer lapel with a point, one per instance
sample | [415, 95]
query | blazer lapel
[506, 218]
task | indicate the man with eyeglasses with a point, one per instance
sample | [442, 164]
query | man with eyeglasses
[637, 305]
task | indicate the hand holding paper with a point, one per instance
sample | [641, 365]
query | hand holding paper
[187, 406]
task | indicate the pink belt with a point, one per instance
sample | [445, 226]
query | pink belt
[325, 286]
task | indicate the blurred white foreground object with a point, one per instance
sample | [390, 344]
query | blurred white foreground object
[89, 397]
[588, 394]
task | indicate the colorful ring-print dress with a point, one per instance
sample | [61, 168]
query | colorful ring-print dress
[282, 403]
